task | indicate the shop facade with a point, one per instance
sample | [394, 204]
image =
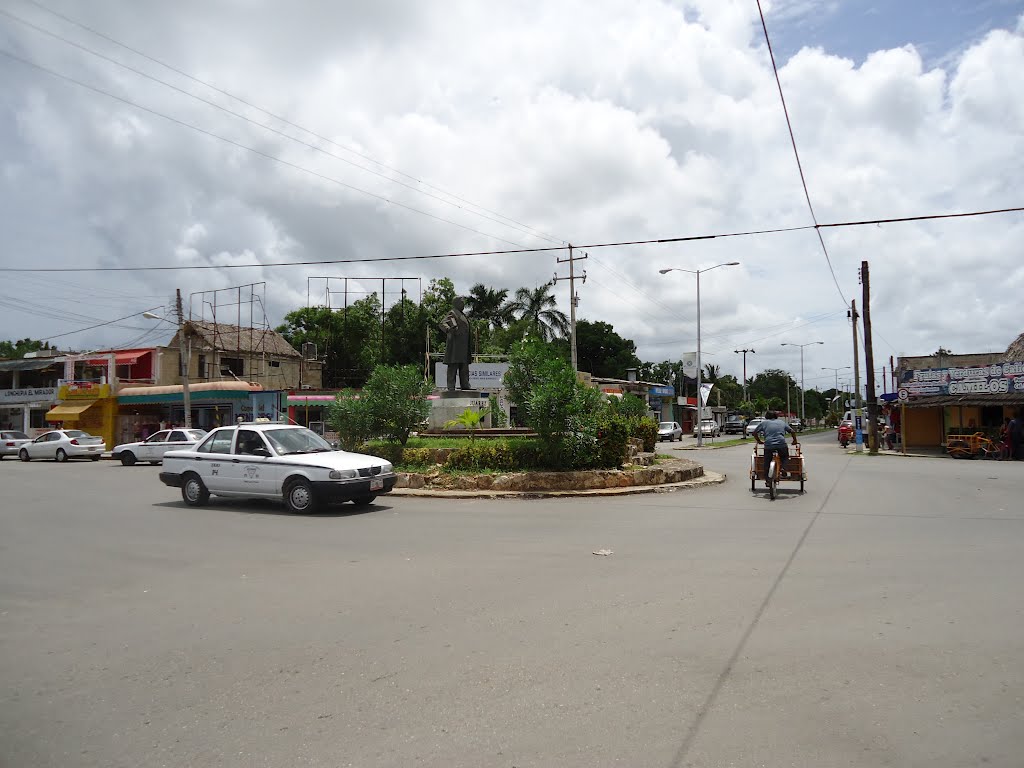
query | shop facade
[938, 403]
[141, 411]
[28, 389]
[88, 406]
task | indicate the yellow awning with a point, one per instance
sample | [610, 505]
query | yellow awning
[68, 411]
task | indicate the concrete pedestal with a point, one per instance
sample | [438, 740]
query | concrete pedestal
[452, 405]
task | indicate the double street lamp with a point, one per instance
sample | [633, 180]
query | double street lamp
[803, 414]
[697, 272]
[836, 372]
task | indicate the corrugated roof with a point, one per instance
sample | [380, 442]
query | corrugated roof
[35, 364]
[230, 338]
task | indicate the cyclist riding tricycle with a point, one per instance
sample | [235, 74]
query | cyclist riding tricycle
[775, 464]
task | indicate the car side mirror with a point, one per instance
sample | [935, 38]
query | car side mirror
[261, 452]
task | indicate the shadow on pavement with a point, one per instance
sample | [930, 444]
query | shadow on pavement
[266, 507]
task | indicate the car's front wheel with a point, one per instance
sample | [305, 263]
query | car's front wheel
[127, 458]
[300, 498]
[23, 455]
[193, 491]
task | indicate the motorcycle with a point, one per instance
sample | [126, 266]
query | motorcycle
[845, 434]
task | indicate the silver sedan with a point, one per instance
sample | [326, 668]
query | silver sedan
[11, 441]
[153, 448]
[63, 444]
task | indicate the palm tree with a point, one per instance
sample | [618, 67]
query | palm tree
[490, 306]
[538, 308]
[711, 372]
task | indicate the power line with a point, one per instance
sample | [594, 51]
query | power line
[234, 143]
[796, 154]
[508, 221]
[98, 325]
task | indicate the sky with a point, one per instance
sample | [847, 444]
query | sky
[338, 131]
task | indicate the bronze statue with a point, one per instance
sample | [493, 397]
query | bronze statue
[456, 347]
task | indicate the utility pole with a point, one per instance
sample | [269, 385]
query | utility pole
[574, 299]
[184, 354]
[869, 361]
[744, 353]
[858, 421]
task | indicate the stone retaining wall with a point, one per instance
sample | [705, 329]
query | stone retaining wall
[675, 471]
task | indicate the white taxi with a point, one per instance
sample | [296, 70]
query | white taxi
[153, 448]
[275, 461]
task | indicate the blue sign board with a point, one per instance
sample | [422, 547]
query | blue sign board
[662, 391]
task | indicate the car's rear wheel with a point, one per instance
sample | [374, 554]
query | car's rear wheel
[95, 458]
[127, 458]
[363, 501]
[300, 498]
[193, 492]
[23, 455]
[61, 455]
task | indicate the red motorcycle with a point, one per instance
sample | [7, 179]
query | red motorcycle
[846, 434]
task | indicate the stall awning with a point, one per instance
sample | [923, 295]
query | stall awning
[310, 399]
[31, 364]
[69, 411]
[204, 392]
[120, 358]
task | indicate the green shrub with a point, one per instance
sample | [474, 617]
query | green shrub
[645, 429]
[397, 399]
[490, 454]
[612, 436]
[351, 418]
[498, 417]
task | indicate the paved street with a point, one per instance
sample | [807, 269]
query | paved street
[875, 620]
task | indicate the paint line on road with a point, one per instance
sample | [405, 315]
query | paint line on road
[712, 699]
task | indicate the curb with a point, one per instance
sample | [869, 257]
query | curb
[707, 479]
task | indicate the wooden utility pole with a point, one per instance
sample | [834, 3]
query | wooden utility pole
[574, 299]
[184, 353]
[857, 416]
[744, 353]
[869, 361]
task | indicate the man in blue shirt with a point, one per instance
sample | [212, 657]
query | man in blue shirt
[772, 432]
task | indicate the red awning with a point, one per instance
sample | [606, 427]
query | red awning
[121, 358]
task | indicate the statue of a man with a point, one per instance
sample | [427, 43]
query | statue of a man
[456, 346]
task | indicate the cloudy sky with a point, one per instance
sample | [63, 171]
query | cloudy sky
[466, 126]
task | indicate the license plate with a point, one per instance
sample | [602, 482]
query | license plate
[376, 484]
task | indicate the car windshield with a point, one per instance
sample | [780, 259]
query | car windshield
[666, 425]
[291, 441]
[197, 434]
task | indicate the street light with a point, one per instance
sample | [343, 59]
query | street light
[186, 400]
[803, 414]
[697, 272]
[836, 372]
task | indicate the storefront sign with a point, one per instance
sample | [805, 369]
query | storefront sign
[663, 391]
[28, 395]
[485, 376]
[997, 379]
[83, 390]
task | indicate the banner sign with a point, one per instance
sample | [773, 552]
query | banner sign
[485, 376]
[689, 361]
[705, 393]
[28, 395]
[83, 390]
[996, 379]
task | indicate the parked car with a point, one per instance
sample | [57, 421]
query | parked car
[11, 441]
[734, 425]
[753, 424]
[670, 430]
[63, 444]
[153, 448]
[275, 461]
[708, 428]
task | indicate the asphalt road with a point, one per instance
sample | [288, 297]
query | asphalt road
[875, 620]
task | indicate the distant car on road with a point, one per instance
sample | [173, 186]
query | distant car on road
[275, 461]
[753, 424]
[670, 430]
[708, 428]
[153, 448]
[797, 425]
[63, 444]
[734, 425]
[11, 441]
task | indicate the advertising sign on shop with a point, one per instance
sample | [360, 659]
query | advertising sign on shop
[996, 379]
[83, 390]
[28, 395]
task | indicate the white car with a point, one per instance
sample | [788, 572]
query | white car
[275, 461]
[153, 448]
[11, 441]
[708, 428]
[63, 444]
[753, 424]
[670, 430]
